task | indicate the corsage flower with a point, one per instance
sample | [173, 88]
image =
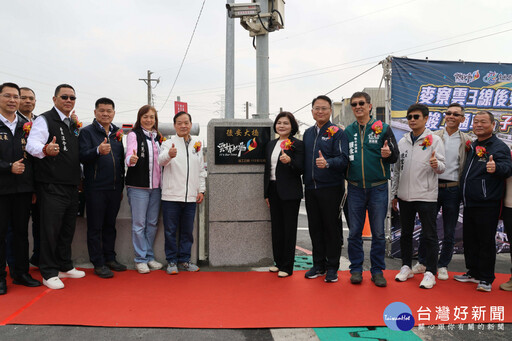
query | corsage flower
[76, 123]
[377, 127]
[468, 145]
[481, 152]
[26, 128]
[331, 131]
[161, 138]
[287, 144]
[119, 135]
[427, 141]
[197, 146]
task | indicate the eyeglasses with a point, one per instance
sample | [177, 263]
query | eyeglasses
[321, 108]
[354, 104]
[28, 97]
[66, 97]
[449, 113]
[9, 96]
[410, 117]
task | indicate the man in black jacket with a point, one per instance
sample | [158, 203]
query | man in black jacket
[16, 187]
[102, 154]
[483, 182]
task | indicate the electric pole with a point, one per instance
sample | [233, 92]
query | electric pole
[148, 83]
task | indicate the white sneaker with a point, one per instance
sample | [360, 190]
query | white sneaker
[154, 265]
[142, 268]
[419, 268]
[53, 283]
[404, 274]
[73, 273]
[442, 274]
[429, 280]
[273, 269]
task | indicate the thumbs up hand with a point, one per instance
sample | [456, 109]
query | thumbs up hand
[104, 148]
[433, 160]
[491, 165]
[134, 158]
[52, 148]
[385, 151]
[18, 167]
[321, 162]
[173, 151]
[284, 158]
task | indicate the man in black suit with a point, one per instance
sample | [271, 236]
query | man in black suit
[53, 142]
[16, 187]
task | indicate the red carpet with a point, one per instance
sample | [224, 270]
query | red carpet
[238, 300]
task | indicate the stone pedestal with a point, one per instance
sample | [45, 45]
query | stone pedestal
[239, 219]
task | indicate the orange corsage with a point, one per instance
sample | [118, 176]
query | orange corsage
[377, 127]
[26, 128]
[197, 146]
[427, 142]
[287, 144]
[331, 131]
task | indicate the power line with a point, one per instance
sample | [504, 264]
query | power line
[185, 56]
[339, 86]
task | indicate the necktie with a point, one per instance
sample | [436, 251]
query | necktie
[67, 121]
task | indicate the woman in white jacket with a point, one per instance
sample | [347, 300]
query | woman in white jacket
[183, 186]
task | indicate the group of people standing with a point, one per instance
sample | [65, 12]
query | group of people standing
[431, 171]
[40, 164]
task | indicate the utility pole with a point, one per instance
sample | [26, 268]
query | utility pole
[148, 83]
[262, 88]
[230, 67]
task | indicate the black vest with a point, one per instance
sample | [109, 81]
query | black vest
[138, 175]
[12, 149]
[64, 168]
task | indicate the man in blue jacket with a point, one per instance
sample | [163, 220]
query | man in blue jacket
[483, 183]
[102, 154]
[326, 159]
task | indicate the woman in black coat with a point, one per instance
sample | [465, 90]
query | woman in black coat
[283, 190]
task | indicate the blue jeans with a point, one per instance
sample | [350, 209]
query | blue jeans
[449, 200]
[178, 220]
[375, 200]
[145, 205]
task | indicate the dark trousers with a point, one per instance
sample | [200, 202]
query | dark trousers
[479, 227]
[102, 209]
[325, 226]
[15, 210]
[284, 215]
[36, 233]
[449, 200]
[427, 212]
[58, 208]
[507, 222]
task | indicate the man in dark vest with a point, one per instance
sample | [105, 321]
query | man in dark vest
[16, 187]
[53, 141]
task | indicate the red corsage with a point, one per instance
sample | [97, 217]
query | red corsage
[331, 131]
[481, 152]
[427, 142]
[468, 145]
[287, 144]
[119, 135]
[26, 128]
[377, 127]
[76, 123]
[161, 138]
[197, 146]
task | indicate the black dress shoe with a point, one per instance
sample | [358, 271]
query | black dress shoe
[115, 266]
[103, 272]
[26, 280]
[3, 287]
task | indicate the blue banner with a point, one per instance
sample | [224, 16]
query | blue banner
[475, 86]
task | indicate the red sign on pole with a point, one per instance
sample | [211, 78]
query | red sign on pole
[180, 106]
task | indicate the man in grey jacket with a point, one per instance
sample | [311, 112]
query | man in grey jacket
[455, 146]
[415, 181]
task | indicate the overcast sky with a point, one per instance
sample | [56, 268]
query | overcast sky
[103, 47]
